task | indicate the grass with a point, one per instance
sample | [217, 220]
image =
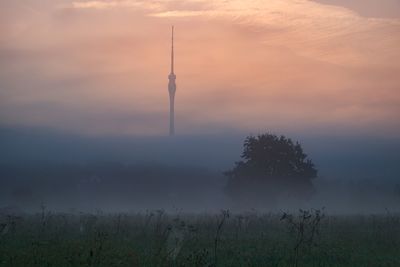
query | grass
[307, 238]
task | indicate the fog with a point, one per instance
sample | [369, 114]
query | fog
[84, 101]
[70, 172]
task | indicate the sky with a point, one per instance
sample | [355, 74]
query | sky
[292, 66]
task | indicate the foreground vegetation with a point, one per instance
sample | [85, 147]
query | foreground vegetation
[307, 238]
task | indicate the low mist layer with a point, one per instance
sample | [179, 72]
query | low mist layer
[64, 172]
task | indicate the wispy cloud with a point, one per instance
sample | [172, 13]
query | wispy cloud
[116, 4]
[329, 33]
[179, 13]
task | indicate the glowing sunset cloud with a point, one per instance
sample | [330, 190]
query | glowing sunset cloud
[285, 65]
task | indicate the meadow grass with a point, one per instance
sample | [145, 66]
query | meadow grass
[304, 238]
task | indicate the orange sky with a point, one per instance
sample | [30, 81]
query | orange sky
[247, 66]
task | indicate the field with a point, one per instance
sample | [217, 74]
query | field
[304, 238]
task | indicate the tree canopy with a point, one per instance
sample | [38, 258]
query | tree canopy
[271, 165]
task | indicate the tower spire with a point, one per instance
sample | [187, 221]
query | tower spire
[172, 51]
[172, 90]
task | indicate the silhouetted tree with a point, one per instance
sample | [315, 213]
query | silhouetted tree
[271, 167]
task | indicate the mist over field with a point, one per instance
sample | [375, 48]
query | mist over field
[69, 172]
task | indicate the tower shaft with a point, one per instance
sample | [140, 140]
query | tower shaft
[171, 114]
[172, 90]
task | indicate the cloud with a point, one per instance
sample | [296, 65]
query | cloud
[369, 8]
[287, 65]
[179, 13]
[329, 33]
[116, 4]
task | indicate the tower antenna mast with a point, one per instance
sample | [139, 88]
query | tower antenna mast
[172, 89]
